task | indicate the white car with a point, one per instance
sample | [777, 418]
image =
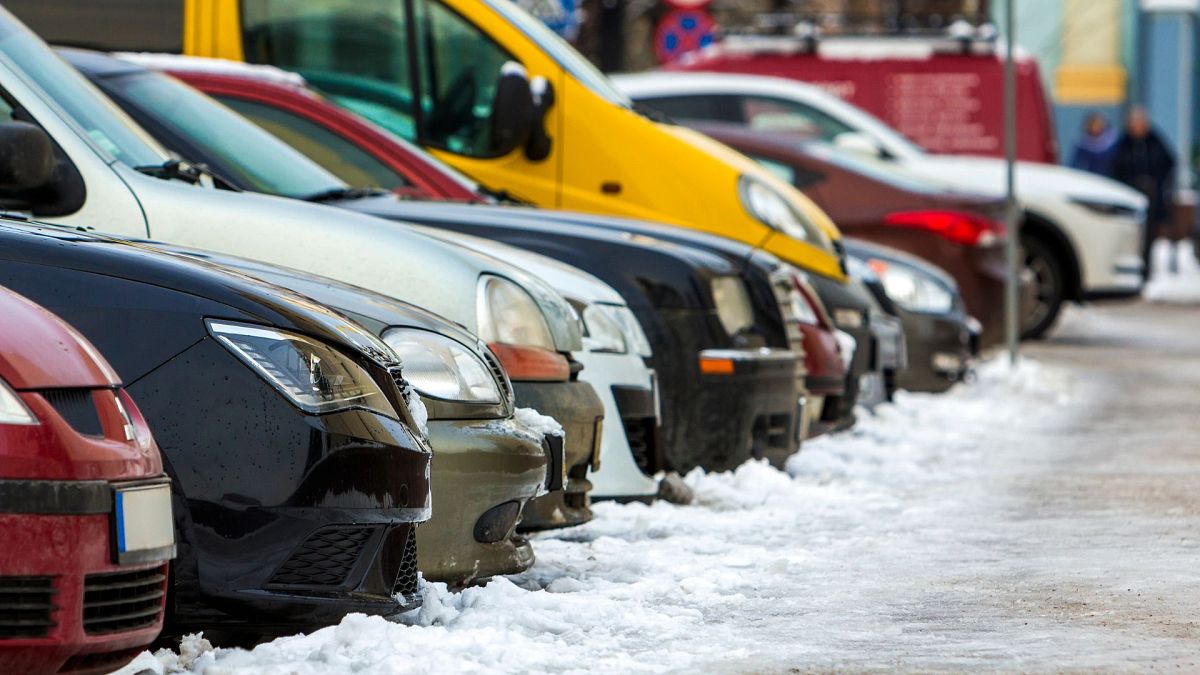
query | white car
[1082, 233]
[612, 356]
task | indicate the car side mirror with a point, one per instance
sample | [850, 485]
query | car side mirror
[513, 110]
[539, 144]
[859, 143]
[26, 160]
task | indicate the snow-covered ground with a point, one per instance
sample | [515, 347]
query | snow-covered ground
[765, 570]
[1180, 286]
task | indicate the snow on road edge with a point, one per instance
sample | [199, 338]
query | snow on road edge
[665, 587]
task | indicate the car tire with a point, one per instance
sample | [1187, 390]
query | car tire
[1050, 282]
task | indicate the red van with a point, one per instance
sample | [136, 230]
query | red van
[85, 509]
[945, 94]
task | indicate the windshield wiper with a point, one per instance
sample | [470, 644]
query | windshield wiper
[174, 169]
[343, 193]
[653, 115]
[500, 196]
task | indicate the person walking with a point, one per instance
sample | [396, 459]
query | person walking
[1096, 150]
[1142, 161]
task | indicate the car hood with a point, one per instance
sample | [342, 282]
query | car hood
[220, 292]
[38, 350]
[987, 174]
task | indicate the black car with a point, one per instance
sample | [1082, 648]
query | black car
[727, 392]
[297, 476]
[940, 336]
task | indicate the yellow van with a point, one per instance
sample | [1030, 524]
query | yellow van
[502, 98]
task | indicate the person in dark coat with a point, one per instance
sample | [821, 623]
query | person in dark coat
[1143, 162]
[1096, 150]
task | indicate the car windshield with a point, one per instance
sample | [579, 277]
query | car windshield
[105, 124]
[560, 50]
[261, 162]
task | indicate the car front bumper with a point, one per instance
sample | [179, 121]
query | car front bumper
[577, 407]
[939, 351]
[629, 393]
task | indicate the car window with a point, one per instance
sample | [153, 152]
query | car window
[107, 126]
[696, 107]
[763, 112]
[337, 155]
[459, 69]
[358, 53]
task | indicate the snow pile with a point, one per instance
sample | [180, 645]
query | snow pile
[765, 571]
[1178, 287]
[416, 408]
[534, 421]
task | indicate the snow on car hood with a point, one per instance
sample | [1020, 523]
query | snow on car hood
[987, 174]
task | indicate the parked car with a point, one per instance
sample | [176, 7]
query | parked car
[489, 463]
[962, 233]
[940, 337]
[112, 177]
[905, 81]
[762, 396]
[515, 107]
[1081, 233]
[85, 509]
[296, 493]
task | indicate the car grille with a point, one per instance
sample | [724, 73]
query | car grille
[406, 577]
[26, 606]
[640, 434]
[77, 408]
[500, 375]
[325, 559]
[122, 601]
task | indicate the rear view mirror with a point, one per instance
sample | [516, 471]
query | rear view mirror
[26, 158]
[859, 143]
[513, 110]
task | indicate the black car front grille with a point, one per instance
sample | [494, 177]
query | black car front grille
[26, 607]
[406, 577]
[77, 408]
[325, 559]
[120, 601]
[640, 433]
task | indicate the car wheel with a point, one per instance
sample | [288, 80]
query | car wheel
[1049, 287]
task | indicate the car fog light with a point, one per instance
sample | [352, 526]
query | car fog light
[946, 362]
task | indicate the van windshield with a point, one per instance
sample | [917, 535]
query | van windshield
[105, 124]
[560, 50]
[258, 161]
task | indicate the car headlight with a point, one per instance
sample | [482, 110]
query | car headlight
[442, 368]
[912, 289]
[846, 317]
[507, 314]
[12, 409]
[314, 376]
[1106, 208]
[603, 334]
[772, 209]
[733, 304]
[635, 337]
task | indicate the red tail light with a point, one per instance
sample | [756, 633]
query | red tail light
[960, 228]
[530, 364]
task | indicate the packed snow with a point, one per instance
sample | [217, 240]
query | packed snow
[1175, 274]
[766, 569]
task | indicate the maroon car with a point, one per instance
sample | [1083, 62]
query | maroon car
[961, 233]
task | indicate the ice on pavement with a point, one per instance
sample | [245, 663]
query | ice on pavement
[1180, 286]
[767, 569]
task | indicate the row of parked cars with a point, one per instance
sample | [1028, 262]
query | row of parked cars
[306, 313]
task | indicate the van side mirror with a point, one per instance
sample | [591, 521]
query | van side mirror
[539, 144]
[26, 159]
[513, 110]
[859, 143]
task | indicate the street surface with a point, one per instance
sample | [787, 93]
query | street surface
[1046, 519]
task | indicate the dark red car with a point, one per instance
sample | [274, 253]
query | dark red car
[961, 233]
[85, 509]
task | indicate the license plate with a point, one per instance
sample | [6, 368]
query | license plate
[145, 528]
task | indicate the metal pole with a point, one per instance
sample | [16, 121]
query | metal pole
[1012, 248]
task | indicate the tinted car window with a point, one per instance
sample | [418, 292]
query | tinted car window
[337, 155]
[110, 25]
[699, 107]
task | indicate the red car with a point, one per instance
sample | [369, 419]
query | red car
[825, 362]
[85, 509]
[944, 93]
